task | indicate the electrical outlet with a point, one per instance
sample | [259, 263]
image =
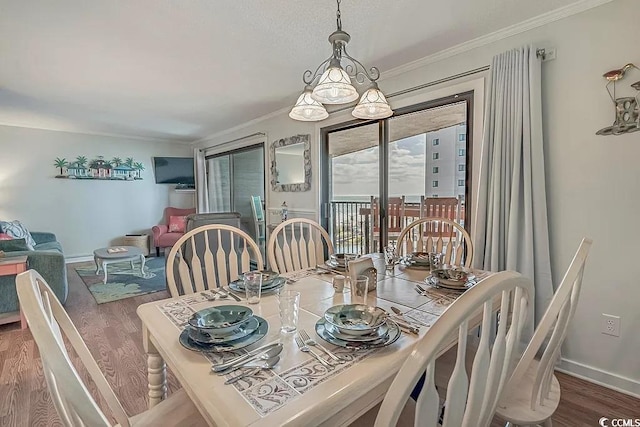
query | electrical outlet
[611, 325]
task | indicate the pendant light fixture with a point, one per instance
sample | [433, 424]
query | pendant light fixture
[334, 84]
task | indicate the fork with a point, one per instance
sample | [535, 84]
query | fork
[313, 343]
[305, 349]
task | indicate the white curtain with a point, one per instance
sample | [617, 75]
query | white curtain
[202, 191]
[511, 231]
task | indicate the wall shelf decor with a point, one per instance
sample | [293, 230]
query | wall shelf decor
[115, 169]
[626, 109]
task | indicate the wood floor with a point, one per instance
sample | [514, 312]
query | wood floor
[112, 333]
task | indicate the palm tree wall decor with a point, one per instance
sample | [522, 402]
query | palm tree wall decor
[98, 168]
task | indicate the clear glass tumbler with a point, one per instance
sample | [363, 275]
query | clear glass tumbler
[289, 303]
[359, 290]
[253, 286]
[390, 257]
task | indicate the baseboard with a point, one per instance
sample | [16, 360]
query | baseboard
[598, 376]
[82, 258]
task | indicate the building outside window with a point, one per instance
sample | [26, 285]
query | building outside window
[434, 184]
[435, 169]
[460, 182]
[461, 152]
[462, 137]
[436, 156]
[461, 168]
[436, 141]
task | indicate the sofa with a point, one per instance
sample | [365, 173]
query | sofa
[47, 259]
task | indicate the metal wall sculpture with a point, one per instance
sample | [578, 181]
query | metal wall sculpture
[627, 109]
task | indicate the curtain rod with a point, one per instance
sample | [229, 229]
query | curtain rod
[233, 140]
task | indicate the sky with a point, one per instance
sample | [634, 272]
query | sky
[356, 174]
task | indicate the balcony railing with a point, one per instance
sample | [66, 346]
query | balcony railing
[350, 225]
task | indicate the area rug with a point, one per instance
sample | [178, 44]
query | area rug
[122, 281]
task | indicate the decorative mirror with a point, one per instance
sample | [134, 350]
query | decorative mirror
[291, 163]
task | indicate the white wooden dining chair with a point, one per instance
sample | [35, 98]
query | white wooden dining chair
[532, 394]
[471, 399]
[440, 235]
[298, 244]
[209, 257]
[48, 321]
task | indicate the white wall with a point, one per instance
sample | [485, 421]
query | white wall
[84, 214]
[591, 180]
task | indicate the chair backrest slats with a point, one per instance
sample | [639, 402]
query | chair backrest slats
[552, 329]
[48, 322]
[210, 256]
[472, 396]
[428, 403]
[458, 386]
[297, 244]
[437, 235]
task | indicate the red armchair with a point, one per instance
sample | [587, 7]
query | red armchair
[162, 238]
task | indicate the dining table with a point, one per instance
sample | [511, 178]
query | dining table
[299, 390]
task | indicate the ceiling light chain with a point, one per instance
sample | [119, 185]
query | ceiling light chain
[334, 84]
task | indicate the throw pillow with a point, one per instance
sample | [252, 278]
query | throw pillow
[14, 245]
[177, 224]
[5, 236]
[18, 231]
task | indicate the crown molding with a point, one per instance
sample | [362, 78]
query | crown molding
[251, 122]
[529, 24]
[107, 134]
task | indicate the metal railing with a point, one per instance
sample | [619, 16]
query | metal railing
[350, 225]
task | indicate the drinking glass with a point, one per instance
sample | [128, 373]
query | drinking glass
[253, 286]
[289, 303]
[338, 283]
[359, 289]
[390, 257]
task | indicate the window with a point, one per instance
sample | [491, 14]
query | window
[461, 152]
[435, 169]
[436, 141]
[460, 168]
[434, 184]
[436, 156]
[434, 195]
[460, 182]
[462, 137]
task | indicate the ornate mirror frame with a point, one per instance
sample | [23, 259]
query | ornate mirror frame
[296, 139]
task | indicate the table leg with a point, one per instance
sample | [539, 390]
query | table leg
[156, 371]
[23, 321]
[104, 268]
[142, 261]
[95, 259]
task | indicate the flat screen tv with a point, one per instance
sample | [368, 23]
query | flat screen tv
[174, 170]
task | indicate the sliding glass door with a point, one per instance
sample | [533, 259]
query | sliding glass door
[232, 178]
[379, 176]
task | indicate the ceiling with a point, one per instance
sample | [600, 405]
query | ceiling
[185, 69]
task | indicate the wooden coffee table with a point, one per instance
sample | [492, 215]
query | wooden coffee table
[9, 266]
[103, 258]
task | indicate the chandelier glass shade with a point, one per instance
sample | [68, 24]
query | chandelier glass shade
[335, 77]
[372, 105]
[308, 109]
[334, 87]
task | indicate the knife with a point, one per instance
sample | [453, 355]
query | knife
[269, 354]
[244, 358]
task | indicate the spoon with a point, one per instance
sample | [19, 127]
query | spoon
[264, 356]
[397, 311]
[267, 364]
